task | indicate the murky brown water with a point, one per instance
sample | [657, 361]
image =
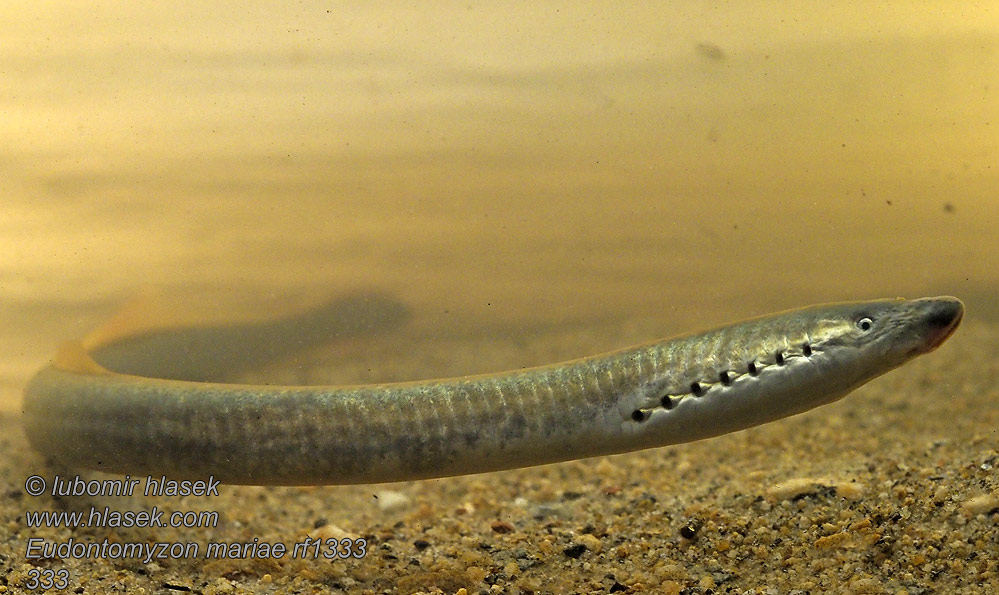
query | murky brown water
[515, 164]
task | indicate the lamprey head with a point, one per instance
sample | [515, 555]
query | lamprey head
[874, 337]
[787, 363]
[854, 343]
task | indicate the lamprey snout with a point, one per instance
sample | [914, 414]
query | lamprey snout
[940, 317]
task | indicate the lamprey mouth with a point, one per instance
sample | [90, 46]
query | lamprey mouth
[942, 319]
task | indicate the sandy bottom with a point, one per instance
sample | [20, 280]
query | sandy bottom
[892, 490]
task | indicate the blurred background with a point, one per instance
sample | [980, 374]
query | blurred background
[504, 163]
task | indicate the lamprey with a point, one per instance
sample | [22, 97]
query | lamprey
[79, 413]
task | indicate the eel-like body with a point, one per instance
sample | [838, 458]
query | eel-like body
[99, 409]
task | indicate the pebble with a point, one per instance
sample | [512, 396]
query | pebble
[390, 500]
[329, 531]
[984, 504]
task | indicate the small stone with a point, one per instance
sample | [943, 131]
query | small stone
[592, 543]
[688, 531]
[831, 541]
[574, 551]
[476, 574]
[851, 490]
[501, 527]
[984, 504]
[331, 531]
[389, 500]
[800, 487]
[546, 547]
[465, 508]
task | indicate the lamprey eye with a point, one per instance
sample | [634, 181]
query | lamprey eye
[865, 324]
